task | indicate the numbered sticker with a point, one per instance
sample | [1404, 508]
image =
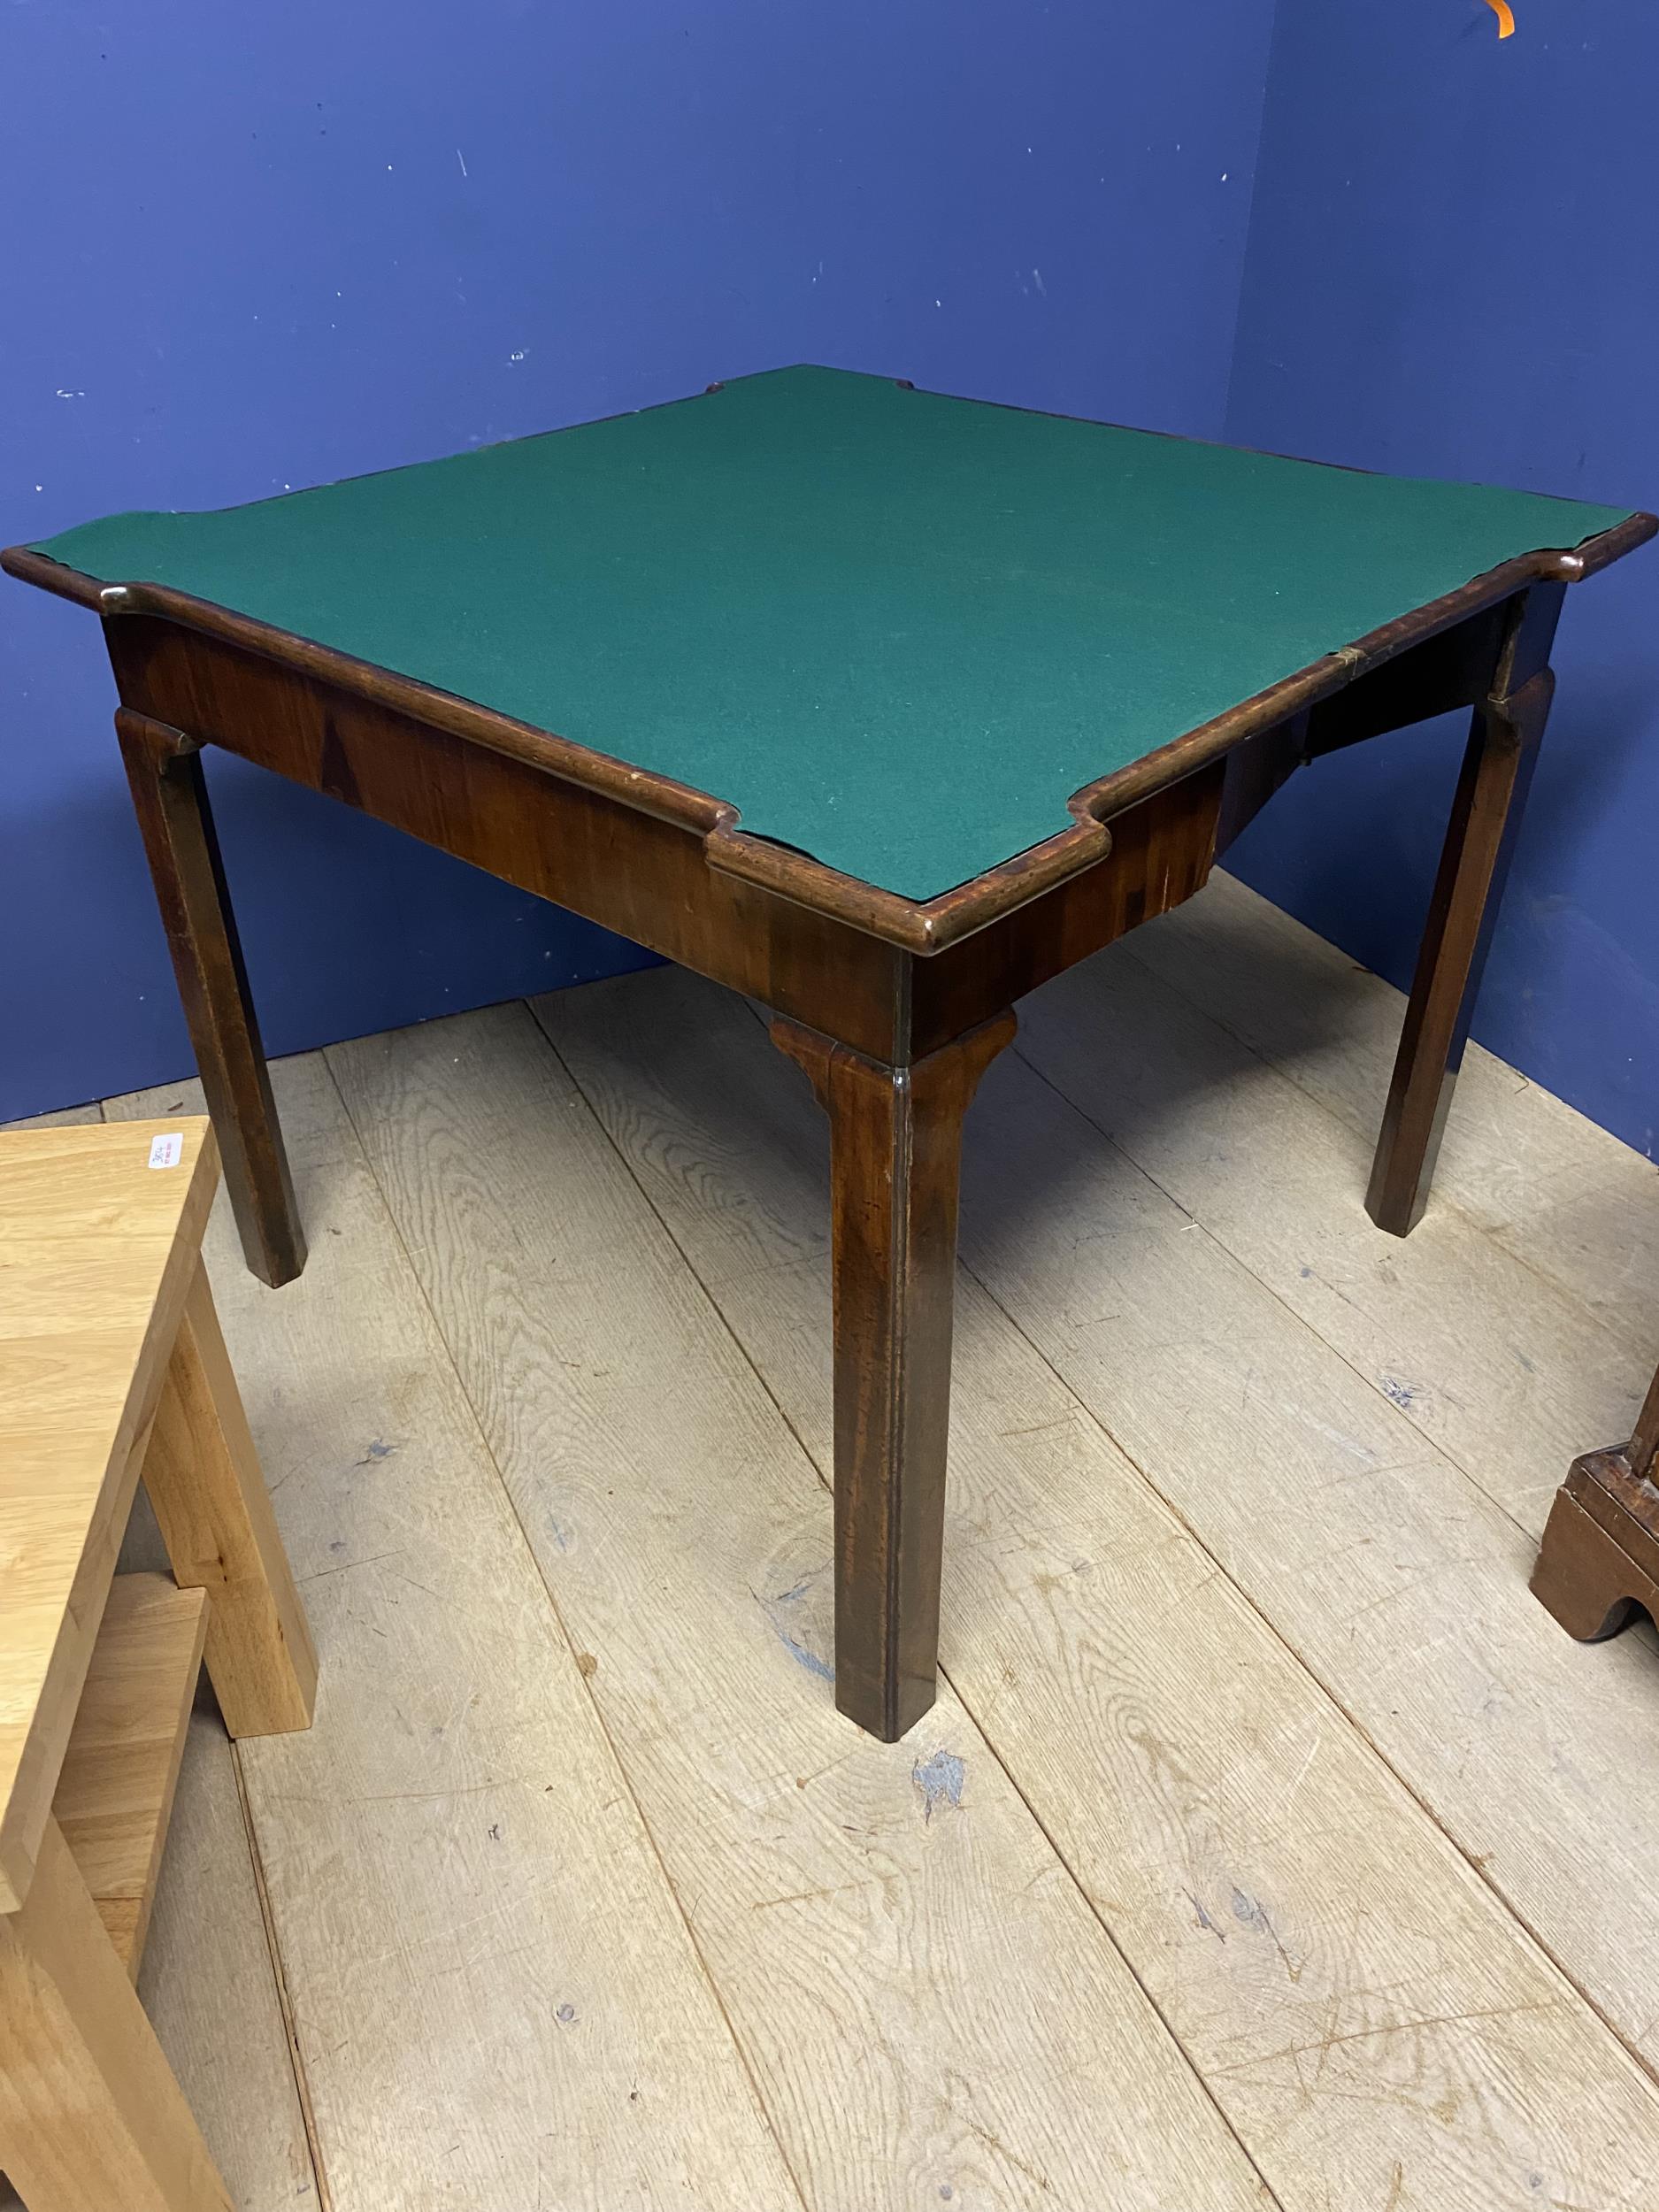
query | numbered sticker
[166, 1151]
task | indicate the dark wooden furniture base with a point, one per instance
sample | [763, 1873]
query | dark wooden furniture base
[1600, 1557]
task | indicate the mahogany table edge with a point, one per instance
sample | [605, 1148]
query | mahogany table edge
[919, 926]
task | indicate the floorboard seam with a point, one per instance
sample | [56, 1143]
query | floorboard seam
[278, 1971]
[1437, 1446]
[826, 1482]
[558, 1619]
[1098, 1917]
[1604, 1320]
[1434, 1445]
[1649, 2074]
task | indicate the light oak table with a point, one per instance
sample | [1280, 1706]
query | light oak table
[112, 1367]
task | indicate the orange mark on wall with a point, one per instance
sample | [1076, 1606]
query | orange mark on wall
[1505, 15]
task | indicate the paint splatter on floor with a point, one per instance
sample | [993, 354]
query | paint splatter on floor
[940, 1781]
[784, 1631]
[802, 1656]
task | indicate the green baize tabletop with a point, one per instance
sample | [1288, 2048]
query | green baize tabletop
[896, 630]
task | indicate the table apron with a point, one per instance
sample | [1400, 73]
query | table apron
[650, 879]
[614, 864]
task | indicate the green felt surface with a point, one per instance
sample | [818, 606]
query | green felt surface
[896, 630]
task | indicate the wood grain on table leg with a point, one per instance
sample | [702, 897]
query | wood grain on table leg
[91, 2118]
[170, 795]
[204, 1479]
[895, 1147]
[494, 1998]
[1486, 817]
[1643, 1449]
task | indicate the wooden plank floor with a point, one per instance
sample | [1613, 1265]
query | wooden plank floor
[1268, 1847]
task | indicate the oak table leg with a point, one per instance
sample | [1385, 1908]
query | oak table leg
[169, 795]
[1485, 818]
[91, 2118]
[895, 1144]
[210, 1503]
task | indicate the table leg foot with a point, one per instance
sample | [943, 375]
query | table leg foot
[1486, 817]
[1586, 1579]
[895, 1142]
[170, 795]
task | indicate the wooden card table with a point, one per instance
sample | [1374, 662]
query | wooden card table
[879, 706]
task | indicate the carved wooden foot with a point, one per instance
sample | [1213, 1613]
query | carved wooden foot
[1598, 1560]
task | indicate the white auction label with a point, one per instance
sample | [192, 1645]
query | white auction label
[166, 1151]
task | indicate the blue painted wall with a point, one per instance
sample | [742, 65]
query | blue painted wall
[1045, 205]
[247, 248]
[253, 248]
[1454, 271]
